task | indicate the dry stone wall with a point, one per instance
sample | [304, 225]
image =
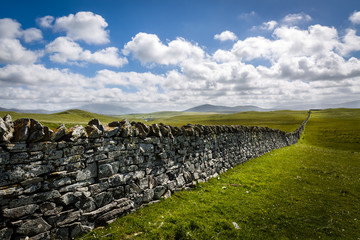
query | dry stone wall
[60, 184]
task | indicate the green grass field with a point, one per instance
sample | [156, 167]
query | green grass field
[284, 120]
[70, 118]
[310, 190]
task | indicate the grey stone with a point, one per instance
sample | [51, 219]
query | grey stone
[62, 233]
[147, 148]
[105, 170]
[16, 147]
[6, 128]
[37, 132]
[77, 229]
[180, 181]
[111, 131]
[41, 236]
[68, 198]
[35, 198]
[117, 180]
[21, 130]
[162, 179]
[33, 227]
[87, 173]
[4, 158]
[62, 182]
[93, 132]
[103, 199]
[97, 123]
[68, 217]
[86, 204]
[159, 191]
[98, 187]
[58, 133]
[48, 208]
[6, 233]
[20, 211]
[148, 195]
[19, 157]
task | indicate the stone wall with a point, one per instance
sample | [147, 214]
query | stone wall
[59, 184]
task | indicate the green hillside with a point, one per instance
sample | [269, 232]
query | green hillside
[69, 118]
[284, 120]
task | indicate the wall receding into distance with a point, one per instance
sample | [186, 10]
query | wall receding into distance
[59, 184]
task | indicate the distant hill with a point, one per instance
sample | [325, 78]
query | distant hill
[353, 104]
[42, 111]
[106, 109]
[223, 109]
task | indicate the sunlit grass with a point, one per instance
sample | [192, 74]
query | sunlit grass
[69, 118]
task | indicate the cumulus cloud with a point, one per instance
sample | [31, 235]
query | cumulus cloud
[11, 49]
[355, 17]
[84, 26]
[45, 22]
[32, 34]
[292, 19]
[269, 26]
[351, 43]
[38, 75]
[65, 50]
[9, 28]
[226, 36]
[148, 49]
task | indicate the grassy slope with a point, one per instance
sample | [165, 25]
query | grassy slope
[69, 118]
[284, 120]
[310, 190]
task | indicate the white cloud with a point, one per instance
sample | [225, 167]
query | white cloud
[355, 17]
[292, 19]
[9, 28]
[85, 26]
[39, 76]
[270, 25]
[32, 34]
[351, 42]
[148, 49]
[65, 50]
[226, 36]
[45, 22]
[246, 16]
[11, 50]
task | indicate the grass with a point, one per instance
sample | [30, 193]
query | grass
[284, 120]
[310, 190]
[69, 118]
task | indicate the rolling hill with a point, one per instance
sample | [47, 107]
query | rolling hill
[223, 109]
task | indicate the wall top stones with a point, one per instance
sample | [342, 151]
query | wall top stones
[31, 131]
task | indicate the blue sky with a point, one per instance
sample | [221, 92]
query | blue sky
[172, 55]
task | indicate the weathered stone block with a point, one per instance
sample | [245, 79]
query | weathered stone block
[87, 173]
[159, 191]
[16, 147]
[33, 227]
[6, 233]
[50, 209]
